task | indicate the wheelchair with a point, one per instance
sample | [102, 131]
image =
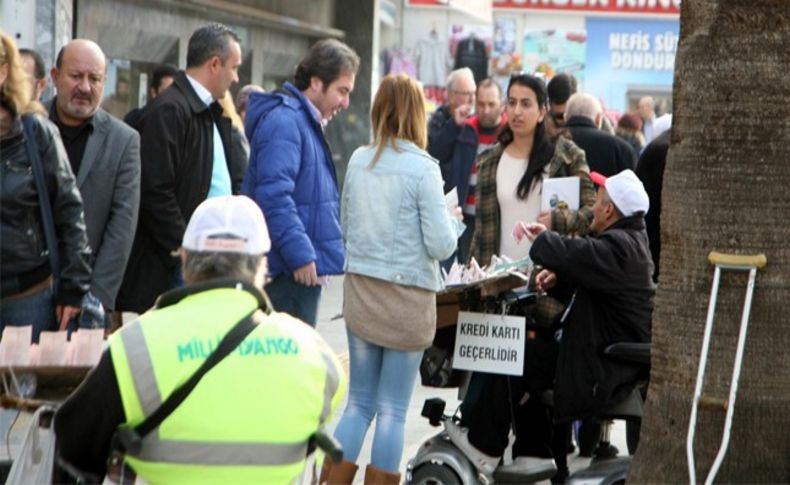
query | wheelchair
[438, 461]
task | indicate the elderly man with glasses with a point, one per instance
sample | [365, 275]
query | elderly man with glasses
[446, 123]
[452, 141]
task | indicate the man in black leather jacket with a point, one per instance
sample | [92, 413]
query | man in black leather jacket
[26, 272]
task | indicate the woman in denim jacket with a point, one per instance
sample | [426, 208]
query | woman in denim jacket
[397, 228]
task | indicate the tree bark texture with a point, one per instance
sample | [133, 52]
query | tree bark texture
[726, 188]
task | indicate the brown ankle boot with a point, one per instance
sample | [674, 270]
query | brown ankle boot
[337, 473]
[377, 476]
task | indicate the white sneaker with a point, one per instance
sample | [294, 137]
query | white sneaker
[484, 463]
[530, 465]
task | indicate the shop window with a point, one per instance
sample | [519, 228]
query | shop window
[128, 81]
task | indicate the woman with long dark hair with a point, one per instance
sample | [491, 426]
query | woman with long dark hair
[510, 180]
[510, 176]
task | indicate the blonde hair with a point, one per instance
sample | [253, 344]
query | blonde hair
[398, 113]
[229, 111]
[15, 93]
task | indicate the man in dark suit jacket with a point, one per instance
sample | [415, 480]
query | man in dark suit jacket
[105, 157]
[606, 154]
[185, 155]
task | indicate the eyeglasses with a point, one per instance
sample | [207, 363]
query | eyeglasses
[464, 93]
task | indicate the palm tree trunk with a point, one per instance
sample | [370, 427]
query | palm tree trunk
[726, 188]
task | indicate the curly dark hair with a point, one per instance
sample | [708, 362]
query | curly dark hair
[328, 59]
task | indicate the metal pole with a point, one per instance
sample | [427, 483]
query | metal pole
[703, 359]
[736, 374]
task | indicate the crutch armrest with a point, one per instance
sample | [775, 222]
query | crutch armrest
[745, 261]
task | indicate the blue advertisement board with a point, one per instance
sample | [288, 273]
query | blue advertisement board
[625, 54]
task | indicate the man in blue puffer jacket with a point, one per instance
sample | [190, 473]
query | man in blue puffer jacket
[292, 177]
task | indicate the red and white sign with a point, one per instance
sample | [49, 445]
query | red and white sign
[671, 7]
[482, 8]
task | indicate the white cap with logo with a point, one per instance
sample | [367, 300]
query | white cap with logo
[625, 190]
[227, 224]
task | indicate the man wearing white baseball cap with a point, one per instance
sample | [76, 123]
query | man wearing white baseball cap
[606, 278]
[626, 192]
[257, 384]
[226, 237]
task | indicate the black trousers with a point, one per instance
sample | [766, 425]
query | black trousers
[495, 402]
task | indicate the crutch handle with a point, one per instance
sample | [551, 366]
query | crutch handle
[722, 261]
[737, 261]
[715, 403]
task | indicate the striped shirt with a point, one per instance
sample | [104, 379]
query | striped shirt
[486, 139]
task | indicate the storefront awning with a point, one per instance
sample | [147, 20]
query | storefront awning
[259, 16]
[481, 10]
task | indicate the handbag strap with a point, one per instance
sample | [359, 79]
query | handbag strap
[47, 220]
[130, 438]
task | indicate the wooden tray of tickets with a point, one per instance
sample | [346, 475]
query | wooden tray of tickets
[456, 298]
[53, 383]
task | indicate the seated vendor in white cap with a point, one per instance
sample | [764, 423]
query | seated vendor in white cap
[251, 417]
[606, 278]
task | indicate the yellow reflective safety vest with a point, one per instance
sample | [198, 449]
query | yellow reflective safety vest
[250, 417]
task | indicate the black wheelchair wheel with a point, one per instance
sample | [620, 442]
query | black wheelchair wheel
[434, 474]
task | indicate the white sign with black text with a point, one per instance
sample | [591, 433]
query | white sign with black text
[493, 343]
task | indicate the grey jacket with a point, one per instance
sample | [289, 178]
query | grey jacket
[109, 182]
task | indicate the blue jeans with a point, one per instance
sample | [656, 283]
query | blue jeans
[382, 381]
[37, 309]
[294, 298]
